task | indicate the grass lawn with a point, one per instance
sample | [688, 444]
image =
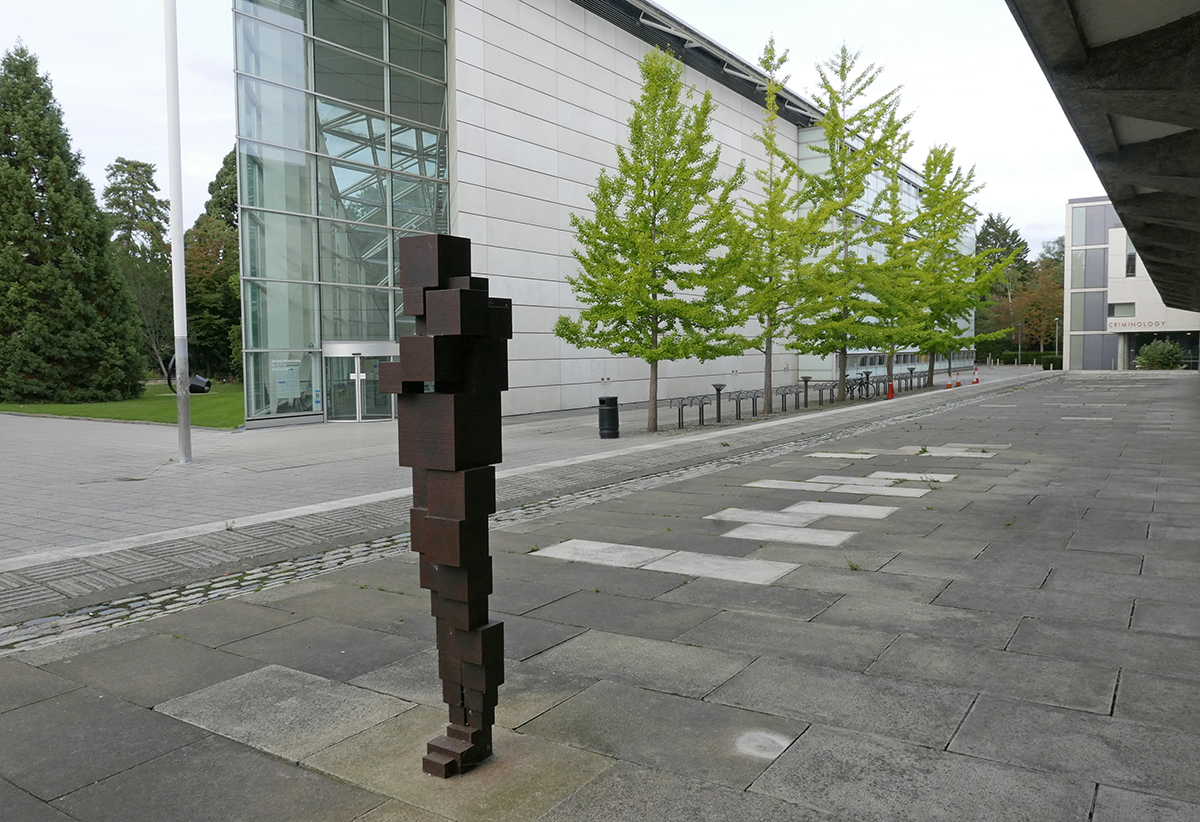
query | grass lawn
[221, 407]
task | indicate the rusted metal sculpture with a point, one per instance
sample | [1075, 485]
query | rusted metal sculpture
[448, 381]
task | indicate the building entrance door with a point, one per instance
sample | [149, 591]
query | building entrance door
[352, 386]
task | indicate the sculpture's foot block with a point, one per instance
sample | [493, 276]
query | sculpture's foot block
[440, 765]
[461, 753]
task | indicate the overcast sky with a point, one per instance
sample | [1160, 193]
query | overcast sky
[965, 70]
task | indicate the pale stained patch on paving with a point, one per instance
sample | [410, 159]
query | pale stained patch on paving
[833, 455]
[824, 487]
[689, 563]
[842, 509]
[791, 519]
[795, 536]
[904, 475]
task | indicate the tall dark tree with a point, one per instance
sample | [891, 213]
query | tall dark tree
[141, 253]
[213, 284]
[995, 240]
[68, 328]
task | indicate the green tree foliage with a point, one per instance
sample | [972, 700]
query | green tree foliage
[839, 306]
[654, 282]
[1039, 300]
[141, 253]
[1159, 355]
[780, 235]
[951, 282]
[997, 239]
[892, 276]
[68, 329]
[213, 280]
[222, 192]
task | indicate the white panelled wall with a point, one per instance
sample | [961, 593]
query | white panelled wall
[541, 93]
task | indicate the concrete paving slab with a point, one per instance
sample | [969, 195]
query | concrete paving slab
[23, 807]
[771, 600]
[514, 596]
[795, 520]
[326, 648]
[366, 608]
[525, 776]
[1166, 617]
[525, 636]
[1058, 682]
[784, 534]
[284, 712]
[618, 581]
[221, 622]
[630, 792]
[1117, 805]
[1161, 700]
[845, 488]
[915, 712]
[703, 741]
[1000, 599]
[670, 667]
[601, 553]
[933, 622]
[833, 646]
[216, 780]
[1117, 752]
[528, 690]
[396, 811]
[842, 509]
[22, 685]
[896, 586]
[858, 776]
[865, 558]
[1125, 586]
[624, 615]
[734, 569]
[60, 744]
[153, 669]
[1172, 656]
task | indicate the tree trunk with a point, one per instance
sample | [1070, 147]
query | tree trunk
[842, 356]
[931, 359]
[768, 406]
[652, 411]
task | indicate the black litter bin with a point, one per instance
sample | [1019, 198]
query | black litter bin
[610, 423]
[199, 385]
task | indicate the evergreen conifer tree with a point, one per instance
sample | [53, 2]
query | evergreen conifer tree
[141, 251]
[654, 282]
[68, 330]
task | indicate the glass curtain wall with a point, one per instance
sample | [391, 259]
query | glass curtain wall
[342, 148]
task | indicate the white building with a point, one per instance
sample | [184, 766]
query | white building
[363, 121]
[1110, 306]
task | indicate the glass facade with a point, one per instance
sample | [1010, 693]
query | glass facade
[342, 148]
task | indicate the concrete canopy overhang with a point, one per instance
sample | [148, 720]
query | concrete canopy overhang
[1127, 75]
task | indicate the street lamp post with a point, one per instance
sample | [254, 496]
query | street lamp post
[1056, 336]
[1019, 343]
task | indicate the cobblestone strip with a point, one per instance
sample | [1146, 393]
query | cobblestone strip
[37, 633]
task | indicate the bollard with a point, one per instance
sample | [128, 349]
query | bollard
[610, 421]
[717, 386]
[806, 379]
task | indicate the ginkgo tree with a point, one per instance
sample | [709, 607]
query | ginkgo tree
[781, 235]
[836, 313]
[951, 281]
[656, 280]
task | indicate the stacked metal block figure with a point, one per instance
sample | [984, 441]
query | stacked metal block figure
[449, 378]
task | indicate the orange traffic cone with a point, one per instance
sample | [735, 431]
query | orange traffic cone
[976, 380]
[958, 383]
[891, 392]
